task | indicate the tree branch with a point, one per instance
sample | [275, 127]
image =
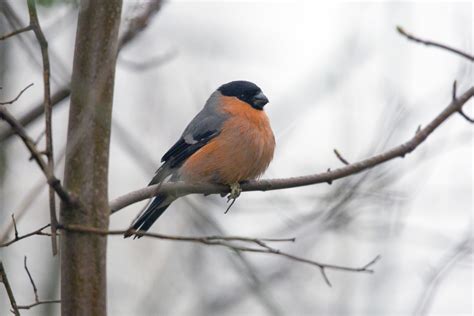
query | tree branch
[25, 29]
[36, 155]
[259, 246]
[434, 44]
[180, 188]
[339, 156]
[48, 110]
[18, 96]
[36, 112]
[36, 28]
[35, 290]
[39, 303]
[39, 232]
[11, 297]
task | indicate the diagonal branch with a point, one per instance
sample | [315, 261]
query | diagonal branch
[25, 29]
[18, 96]
[180, 188]
[35, 113]
[256, 245]
[36, 155]
[434, 44]
[11, 297]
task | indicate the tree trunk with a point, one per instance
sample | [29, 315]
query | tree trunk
[83, 256]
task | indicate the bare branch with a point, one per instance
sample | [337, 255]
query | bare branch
[39, 303]
[14, 226]
[339, 156]
[230, 242]
[38, 232]
[35, 290]
[180, 188]
[11, 297]
[48, 110]
[18, 96]
[434, 44]
[455, 90]
[470, 120]
[33, 114]
[29, 143]
[36, 28]
[25, 29]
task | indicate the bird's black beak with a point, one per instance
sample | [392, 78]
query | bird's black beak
[259, 101]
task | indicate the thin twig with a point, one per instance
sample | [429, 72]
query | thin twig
[43, 43]
[435, 44]
[339, 156]
[27, 202]
[208, 240]
[454, 93]
[33, 114]
[14, 226]
[180, 188]
[11, 297]
[39, 303]
[18, 96]
[471, 120]
[35, 290]
[230, 205]
[38, 232]
[229, 242]
[25, 29]
[29, 143]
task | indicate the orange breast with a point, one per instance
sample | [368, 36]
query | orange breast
[242, 151]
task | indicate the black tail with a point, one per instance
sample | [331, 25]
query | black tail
[150, 215]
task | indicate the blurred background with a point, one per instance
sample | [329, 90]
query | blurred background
[338, 75]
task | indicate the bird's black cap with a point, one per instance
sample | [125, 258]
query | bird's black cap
[246, 91]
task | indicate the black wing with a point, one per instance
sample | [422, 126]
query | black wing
[184, 148]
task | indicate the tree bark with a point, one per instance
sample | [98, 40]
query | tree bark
[83, 256]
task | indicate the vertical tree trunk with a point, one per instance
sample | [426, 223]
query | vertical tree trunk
[83, 256]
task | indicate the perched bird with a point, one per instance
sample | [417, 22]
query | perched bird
[229, 141]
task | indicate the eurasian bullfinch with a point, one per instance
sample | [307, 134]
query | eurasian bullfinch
[229, 141]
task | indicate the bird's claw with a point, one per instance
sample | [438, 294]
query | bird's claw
[235, 191]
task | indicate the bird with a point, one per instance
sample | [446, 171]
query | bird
[228, 142]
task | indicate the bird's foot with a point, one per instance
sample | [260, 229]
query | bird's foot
[235, 191]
